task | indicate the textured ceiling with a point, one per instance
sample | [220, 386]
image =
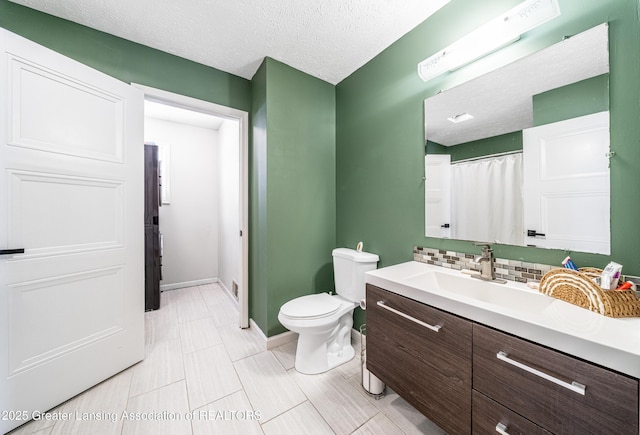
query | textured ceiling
[328, 39]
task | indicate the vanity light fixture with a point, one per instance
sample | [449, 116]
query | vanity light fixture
[460, 117]
[497, 33]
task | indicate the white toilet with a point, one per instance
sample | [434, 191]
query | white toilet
[324, 321]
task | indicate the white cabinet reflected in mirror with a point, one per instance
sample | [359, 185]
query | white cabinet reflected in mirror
[530, 164]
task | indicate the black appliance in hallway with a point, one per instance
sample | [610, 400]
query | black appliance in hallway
[152, 236]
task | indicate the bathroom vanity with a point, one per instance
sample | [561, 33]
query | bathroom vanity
[479, 357]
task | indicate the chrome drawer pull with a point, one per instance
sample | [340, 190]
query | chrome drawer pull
[435, 328]
[501, 429]
[573, 386]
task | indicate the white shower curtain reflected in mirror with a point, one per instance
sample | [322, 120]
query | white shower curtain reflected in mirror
[486, 200]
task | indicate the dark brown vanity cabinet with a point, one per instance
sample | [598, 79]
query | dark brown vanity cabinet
[491, 417]
[558, 392]
[518, 387]
[423, 354]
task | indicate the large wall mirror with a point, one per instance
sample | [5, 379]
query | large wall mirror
[520, 156]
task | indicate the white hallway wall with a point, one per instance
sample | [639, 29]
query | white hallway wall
[189, 223]
[229, 203]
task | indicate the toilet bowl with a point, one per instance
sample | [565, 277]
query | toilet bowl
[323, 321]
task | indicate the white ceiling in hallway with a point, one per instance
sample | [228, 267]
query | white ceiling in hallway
[328, 39]
[167, 112]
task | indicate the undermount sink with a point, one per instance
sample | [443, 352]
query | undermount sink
[455, 283]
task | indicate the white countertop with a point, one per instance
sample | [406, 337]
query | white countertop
[612, 343]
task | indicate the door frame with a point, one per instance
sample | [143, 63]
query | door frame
[242, 117]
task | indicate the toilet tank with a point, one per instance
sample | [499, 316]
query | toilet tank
[349, 267]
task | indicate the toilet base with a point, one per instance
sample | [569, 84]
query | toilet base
[318, 353]
[336, 359]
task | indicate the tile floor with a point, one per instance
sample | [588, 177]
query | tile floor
[204, 375]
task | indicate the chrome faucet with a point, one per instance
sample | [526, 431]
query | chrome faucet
[487, 272]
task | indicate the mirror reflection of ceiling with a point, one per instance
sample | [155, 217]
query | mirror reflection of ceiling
[501, 101]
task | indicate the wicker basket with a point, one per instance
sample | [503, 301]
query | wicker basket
[578, 288]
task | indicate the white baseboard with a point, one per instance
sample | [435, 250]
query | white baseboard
[276, 340]
[228, 292]
[254, 325]
[224, 287]
[281, 339]
[178, 285]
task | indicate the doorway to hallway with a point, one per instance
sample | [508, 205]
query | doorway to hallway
[204, 215]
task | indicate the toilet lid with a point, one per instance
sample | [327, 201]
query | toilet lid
[311, 306]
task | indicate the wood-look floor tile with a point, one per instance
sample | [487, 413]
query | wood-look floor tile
[162, 366]
[406, 417]
[269, 388]
[351, 367]
[30, 429]
[160, 325]
[220, 305]
[339, 403]
[42, 427]
[190, 305]
[162, 411]
[168, 299]
[231, 415]
[98, 410]
[210, 376]
[214, 293]
[378, 425]
[286, 354]
[199, 334]
[303, 419]
[241, 343]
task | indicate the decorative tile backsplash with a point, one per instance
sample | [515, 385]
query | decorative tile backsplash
[512, 270]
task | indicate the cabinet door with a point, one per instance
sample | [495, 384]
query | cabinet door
[491, 417]
[428, 368]
[525, 379]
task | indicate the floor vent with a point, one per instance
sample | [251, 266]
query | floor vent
[234, 288]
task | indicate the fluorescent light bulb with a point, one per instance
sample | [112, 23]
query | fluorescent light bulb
[490, 37]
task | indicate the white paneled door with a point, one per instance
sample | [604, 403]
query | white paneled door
[71, 305]
[437, 195]
[566, 184]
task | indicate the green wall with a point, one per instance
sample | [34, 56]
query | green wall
[258, 201]
[380, 147]
[293, 200]
[492, 145]
[577, 99]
